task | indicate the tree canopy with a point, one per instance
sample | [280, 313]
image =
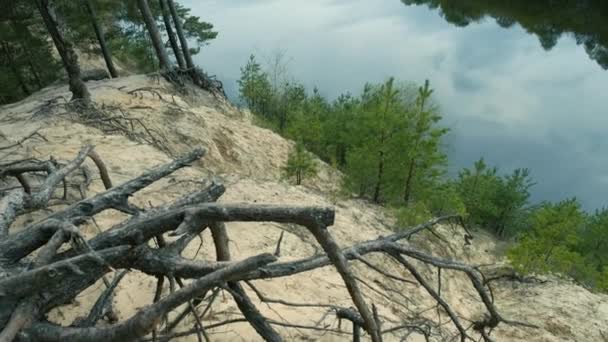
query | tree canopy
[27, 56]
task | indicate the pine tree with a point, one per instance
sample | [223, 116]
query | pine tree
[550, 244]
[179, 57]
[300, 164]
[99, 33]
[424, 156]
[499, 204]
[254, 87]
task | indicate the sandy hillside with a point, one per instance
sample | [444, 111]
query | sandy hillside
[163, 123]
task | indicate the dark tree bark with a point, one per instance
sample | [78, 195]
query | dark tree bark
[408, 181]
[69, 58]
[251, 313]
[183, 41]
[179, 57]
[99, 33]
[380, 175]
[159, 47]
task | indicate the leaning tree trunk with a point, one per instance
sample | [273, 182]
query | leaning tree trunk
[161, 53]
[179, 57]
[184, 42]
[69, 58]
[105, 50]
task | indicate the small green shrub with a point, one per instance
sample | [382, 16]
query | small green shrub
[300, 165]
[413, 214]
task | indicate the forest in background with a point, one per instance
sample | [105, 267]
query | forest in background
[388, 142]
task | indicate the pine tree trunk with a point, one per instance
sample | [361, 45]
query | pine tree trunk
[161, 53]
[379, 178]
[107, 56]
[14, 69]
[69, 58]
[410, 172]
[408, 182]
[179, 57]
[381, 154]
[184, 42]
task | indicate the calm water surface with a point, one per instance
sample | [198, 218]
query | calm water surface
[504, 96]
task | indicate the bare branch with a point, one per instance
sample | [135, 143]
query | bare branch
[144, 320]
[101, 166]
[340, 262]
[101, 305]
[20, 244]
[22, 140]
[277, 251]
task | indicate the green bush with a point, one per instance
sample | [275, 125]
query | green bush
[300, 165]
[413, 214]
[494, 202]
[445, 199]
[563, 239]
[549, 244]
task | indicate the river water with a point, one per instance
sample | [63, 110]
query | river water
[504, 96]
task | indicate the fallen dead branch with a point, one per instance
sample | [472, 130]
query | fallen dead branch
[29, 290]
[24, 139]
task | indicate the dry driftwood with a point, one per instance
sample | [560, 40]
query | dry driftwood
[38, 275]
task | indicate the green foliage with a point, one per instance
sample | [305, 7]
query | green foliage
[254, 87]
[549, 242]
[26, 52]
[274, 101]
[200, 31]
[412, 214]
[494, 202]
[395, 144]
[129, 38]
[444, 199]
[300, 165]
[26, 59]
[593, 246]
[563, 239]
[387, 142]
